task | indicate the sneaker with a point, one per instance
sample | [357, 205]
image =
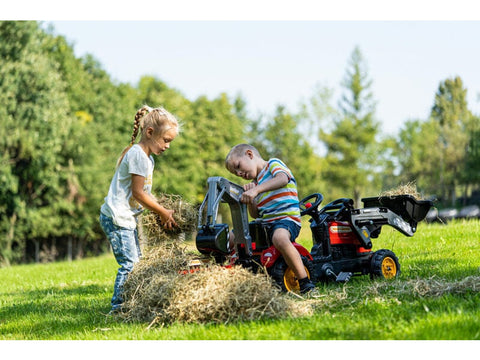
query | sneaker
[306, 285]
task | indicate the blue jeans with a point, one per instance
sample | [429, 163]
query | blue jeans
[126, 248]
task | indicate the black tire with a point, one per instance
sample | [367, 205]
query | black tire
[284, 276]
[384, 264]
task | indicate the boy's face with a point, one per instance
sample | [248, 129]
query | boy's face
[244, 166]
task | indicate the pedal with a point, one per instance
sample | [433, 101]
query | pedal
[343, 277]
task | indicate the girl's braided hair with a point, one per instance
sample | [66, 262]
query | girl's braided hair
[157, 118]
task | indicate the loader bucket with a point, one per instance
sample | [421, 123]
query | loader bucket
[406, 206]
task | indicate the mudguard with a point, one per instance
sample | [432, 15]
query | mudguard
[269, 256]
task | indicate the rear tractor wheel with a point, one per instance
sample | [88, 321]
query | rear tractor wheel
[284, 276]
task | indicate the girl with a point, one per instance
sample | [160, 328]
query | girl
[130, 191]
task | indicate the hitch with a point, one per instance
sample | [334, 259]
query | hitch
[342, 277]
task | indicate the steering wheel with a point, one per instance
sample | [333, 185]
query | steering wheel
[307, 207]
[339, 205]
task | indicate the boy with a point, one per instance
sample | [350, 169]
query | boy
[272, 196]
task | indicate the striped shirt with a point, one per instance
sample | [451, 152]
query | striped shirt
[282, 203]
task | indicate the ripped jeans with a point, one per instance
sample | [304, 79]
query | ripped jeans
[126, 248]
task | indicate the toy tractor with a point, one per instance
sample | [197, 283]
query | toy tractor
[342, 235]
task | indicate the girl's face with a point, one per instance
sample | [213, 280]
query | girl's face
[158, 144]
[244, 166]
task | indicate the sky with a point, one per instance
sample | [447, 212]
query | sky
[285, 59]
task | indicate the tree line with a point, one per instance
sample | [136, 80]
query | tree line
[64, 122]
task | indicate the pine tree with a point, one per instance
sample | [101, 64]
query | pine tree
[350, 159]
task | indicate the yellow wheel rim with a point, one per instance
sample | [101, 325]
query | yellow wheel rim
[291, 281]
[389, 268]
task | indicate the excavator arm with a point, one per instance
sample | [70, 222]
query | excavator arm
[213, 237]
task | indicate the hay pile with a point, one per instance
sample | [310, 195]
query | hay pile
[406, 189]
[161, 290]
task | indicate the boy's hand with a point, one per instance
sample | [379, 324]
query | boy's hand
[248, 197]
[249, 186]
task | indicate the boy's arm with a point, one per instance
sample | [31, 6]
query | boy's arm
[278, 181]
[253, 210]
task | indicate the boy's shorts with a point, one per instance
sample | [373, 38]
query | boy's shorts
[292, 227]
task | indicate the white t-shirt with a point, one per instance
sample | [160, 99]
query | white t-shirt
[119, 203]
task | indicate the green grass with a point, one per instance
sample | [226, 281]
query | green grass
[69, 300]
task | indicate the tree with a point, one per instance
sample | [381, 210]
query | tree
[471, 174]
[103, 115]
[36, 124]
[450, 111]
[350, 159]
[418, 155]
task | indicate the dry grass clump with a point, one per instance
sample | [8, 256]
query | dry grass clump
[406, 189]
[152, 280]
[157, 291]
[438, 287]
[161, 289]
[185, 215]
[223, 295]
[432, 287]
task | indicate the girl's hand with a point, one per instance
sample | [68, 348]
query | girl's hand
[167, 219]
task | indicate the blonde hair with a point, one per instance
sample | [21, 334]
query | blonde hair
[157, 118]
[239, 150]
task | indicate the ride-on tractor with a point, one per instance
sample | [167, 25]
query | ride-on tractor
[342, 235]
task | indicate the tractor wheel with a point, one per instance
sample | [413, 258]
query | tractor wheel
[284, 276]
[384, 264]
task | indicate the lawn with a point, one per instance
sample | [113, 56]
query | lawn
[436, 297]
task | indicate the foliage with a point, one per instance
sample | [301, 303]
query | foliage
[441, 153]
[418, 156]
[451, 112]
[37, 126]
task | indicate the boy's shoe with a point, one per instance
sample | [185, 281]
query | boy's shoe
[306, 285]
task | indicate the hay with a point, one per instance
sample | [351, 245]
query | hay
[406, 189]
[223, 295]
[157, 291]
[185, 215]
[430, 287]
[434, 287]
[161, 289]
